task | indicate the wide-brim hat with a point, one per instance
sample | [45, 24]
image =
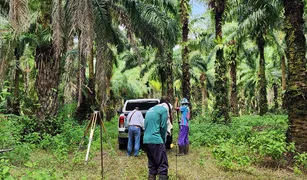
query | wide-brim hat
[184, 101]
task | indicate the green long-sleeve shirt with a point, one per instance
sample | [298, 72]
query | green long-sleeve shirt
[155, 125]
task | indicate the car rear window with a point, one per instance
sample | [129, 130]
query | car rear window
[142, 105]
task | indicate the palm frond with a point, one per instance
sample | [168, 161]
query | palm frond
[197, 61]
[131, 61]
[4, 7]
[19, 15]
[259, 14]
[57, 21]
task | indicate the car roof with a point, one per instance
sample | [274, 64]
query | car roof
[141, 100]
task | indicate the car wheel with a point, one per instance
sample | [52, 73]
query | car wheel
[122, 146]
[122, 143]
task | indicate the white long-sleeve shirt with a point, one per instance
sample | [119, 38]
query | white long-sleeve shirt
[169, 124]
[136, 119]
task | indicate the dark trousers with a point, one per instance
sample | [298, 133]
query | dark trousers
[157, 159]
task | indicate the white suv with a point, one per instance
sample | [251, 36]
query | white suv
[144, 105]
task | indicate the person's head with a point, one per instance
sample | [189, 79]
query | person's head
[137, 108]
[164, 100]
[184, 101]
[168, 106]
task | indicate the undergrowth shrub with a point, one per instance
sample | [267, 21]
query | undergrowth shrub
[246, 140]
[207, 133]
[20, 154]
[5, 167]
[300, 163]
[37, 173]
[12, 137]
[232, 156]
[269, 143]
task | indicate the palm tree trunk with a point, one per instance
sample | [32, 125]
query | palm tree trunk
[169, 75]
[82, 107]
[104, 67]
[283, 80]
[162, 72]
[275, 92]
[81, 68]
[297, 88]
[186, 86]
[283, 73]
[233, 77]
[202, 80]
[221, 106]
[70, 89]
[16, 101]
[47, 80]
[85, 49]
[47, 61]
[27, 78]
[263, 103]
[91, 78]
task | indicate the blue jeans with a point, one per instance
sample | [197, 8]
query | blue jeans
[134, 136]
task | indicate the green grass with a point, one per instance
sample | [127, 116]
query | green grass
[199, 164]
[217, 152]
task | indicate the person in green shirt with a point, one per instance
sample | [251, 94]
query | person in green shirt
[154, 141]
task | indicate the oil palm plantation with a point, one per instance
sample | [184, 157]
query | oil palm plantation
[260, 19]
[204, 65]
[17, 14]
[138, 21]
[79, 23]
[248, 79]
[184, 20]
[221, 106]
[44, 34]
[202, 53]
[47, 58]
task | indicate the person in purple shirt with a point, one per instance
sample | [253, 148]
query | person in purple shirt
[183, 137]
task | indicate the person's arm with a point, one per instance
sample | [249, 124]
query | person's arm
[176, 104]
[163, 129]
[128, 117]
[141, 119]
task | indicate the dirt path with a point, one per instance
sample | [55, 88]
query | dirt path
[197, 165]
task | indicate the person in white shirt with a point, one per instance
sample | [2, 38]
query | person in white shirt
[168, 107]
[135, 122]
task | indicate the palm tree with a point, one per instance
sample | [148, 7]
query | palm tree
[205, 78]
[202, 53]
[261, 17]
[163, 39]
[184, 20]
[48, 56]
[221, 106]
[248, 78]
[82, 22]
[156, 67]
[233, 51]
[105, 34]
[296, 89]
[233, 43]
[17, 14]
[280, 43]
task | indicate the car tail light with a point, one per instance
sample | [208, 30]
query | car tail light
[121, 121]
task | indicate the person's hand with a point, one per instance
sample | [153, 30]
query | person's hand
[176, 99]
